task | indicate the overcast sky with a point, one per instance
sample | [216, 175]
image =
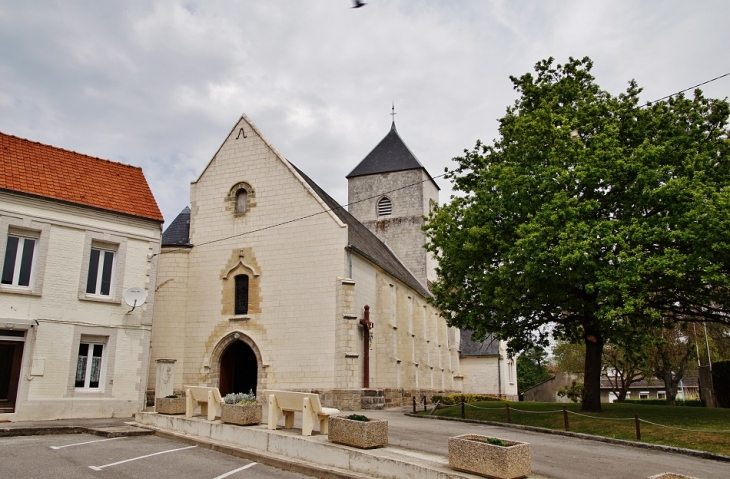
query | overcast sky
[159, 84]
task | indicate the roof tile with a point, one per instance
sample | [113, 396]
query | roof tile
[48, 171]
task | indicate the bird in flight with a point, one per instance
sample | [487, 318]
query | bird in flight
[358, 3]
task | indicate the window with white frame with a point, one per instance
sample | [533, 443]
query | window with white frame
[100, 278]
[18, 263]
[90, 364]
[644, 395]
[661, 395]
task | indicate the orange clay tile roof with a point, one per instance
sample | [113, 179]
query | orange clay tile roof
[51, 172]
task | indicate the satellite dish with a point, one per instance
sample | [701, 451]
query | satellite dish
[134, 297]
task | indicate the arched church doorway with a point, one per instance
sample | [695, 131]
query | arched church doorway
[239, 369]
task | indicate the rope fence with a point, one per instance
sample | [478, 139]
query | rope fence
[566, 422]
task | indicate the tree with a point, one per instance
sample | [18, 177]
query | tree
[588, 213]
[625, 364]
[569, 357]
[531, 368]
[672, 355]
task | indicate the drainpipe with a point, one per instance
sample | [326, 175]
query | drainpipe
[499, 374]
[367, 326]
[349, 259]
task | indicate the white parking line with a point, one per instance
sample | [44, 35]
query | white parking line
[99, 468]
[87, 442]
[235, 471]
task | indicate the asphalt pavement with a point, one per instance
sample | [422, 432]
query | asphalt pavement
[552, 455]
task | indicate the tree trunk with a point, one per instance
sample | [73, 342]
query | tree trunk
[592, 376]
[670, 386]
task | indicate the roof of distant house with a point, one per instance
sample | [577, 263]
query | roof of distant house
[390, 155]
[47, 171]
[468, 347]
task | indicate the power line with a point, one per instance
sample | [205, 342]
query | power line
[276, 225]
[687, 89]
[402, 187]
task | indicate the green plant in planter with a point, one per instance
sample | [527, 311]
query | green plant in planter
[358, 417]
[496, 442]
[240, 398]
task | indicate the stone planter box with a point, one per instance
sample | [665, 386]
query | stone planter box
[472, 453]
[241, 414]
[362, 434]
[170, 405]
[671, 475]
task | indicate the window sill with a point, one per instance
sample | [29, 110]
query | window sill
[99, 299]
[18, 290]
[239, 317]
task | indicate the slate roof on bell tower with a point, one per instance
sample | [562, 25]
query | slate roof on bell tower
[390, 155]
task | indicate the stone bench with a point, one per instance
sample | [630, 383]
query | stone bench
[286, 403]
[209, 400]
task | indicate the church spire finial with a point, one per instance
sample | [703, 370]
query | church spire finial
[392, 114]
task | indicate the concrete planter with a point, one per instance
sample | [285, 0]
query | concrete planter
[241, 414]
[170, 405]
[472, 453]
[362, 434]
[671, 475]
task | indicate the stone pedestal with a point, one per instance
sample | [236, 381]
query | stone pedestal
[165, 377]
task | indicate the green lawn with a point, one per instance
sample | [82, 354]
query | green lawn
[617, 421]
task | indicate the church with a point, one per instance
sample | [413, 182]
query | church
[266, 282]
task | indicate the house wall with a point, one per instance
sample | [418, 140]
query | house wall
[58, 302]
[547, 391]
[490, 375]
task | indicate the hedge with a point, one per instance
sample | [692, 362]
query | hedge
[452, 399]
[663, 402]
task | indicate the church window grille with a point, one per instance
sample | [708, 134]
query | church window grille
[241, 199]
[241, 296]
[385, 207]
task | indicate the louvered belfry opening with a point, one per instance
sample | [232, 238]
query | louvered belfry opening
[385, 207]
[241, 294]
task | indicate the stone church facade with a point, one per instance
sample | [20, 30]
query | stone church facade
[263, 282]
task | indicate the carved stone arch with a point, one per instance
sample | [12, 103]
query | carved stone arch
[219, 350]
[242, 266]
[233, 194]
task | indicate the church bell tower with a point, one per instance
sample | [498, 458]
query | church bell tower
[390, 192]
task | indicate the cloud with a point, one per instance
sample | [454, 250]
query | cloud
[159, 84]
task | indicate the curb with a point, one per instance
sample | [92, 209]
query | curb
[578, 435]
[284, 463]
[51, 430]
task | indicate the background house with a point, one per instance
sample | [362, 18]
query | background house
[75, 233]
[264, 280]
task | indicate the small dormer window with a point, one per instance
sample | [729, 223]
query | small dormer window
[241, 198]
[385, 207]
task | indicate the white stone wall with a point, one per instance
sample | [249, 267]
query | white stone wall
[59, 304]
[296, 268]
[410, 347]
[488, 375]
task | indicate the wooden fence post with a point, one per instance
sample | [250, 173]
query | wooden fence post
[463, 414]
[638, 427]
[509, 418]
[565, 418]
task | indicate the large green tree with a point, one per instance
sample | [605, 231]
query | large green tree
[531, 368]
[589, 213]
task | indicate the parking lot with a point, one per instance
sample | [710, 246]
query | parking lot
[75, 456]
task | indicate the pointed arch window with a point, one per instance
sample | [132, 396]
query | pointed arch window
[241, 200]
[241, 296]
[385, 207]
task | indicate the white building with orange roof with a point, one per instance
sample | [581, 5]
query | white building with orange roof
[76, 234]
